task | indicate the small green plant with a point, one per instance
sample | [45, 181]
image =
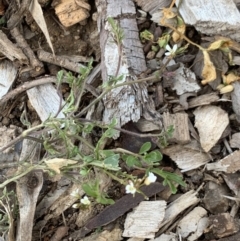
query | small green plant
[61, 138]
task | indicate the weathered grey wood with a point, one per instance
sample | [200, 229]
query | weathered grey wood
[144, 220]
[179, 121]
[10, 50]
[125, 103]
[152, 6]
[45, 100]
[211, 17]
[8, 74]
[229, 164]
[28, 189]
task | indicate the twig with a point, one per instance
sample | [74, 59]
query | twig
[35, 63]
[26, 86]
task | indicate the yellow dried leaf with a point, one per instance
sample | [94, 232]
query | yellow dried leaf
[220, 44]
[57, 163]
[177, 37]
[226, 89]
[209, 71]
[231, 77]
[168, 13]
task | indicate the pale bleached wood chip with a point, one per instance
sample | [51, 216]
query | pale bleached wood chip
[235, 95]
[211, 121]
[145, 219]
[45, 101]
[186, 157]
[179, 121]
[8, 74]
[184, 80]
[229, 164]
[192, 225]
[211, 19]
[235, 140]
[167, 237]
[175, 208]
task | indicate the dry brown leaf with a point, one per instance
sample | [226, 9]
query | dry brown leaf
[220, 44]
[226, 89]
[209, 71]
[57, 163]
[37, 13]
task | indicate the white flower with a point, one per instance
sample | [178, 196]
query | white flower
[85, 201]
[76, 205]
[171, 51]
[150, 178]
[130, 188]
[75, 193]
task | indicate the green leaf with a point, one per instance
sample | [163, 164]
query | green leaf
[112, 161]
[90, 189]
[106, 153]
[103, 200]
[132, 161]
[154, 156]
[145, 148]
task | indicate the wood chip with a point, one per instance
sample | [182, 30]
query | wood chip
[184, 80]
[144, 221]
[228, 164]
[199, 101]
[211, 121]
[192, 225]
[8, 74]
[146, 126]
[187, 157]
[175, 208]
[71, 12]
[235, 140]
[211, 19]
[179, 121]
[46, 101]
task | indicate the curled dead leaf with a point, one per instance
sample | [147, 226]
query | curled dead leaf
[220, 44]
[57, 163]
[169, 13]
[209, 71]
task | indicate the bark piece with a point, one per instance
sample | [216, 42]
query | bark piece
[233, 182]
[199, 101]
[192, 225]
[187, 157]
[211, 121]
[28, 189]
[236, 99]
[211, 19]
[223, 225]
[125, 103]
[71, 12]
[184, 80]
[213, 198]
[235, 140]
[144, 221]
[8, 74]
[228, 164]
[45, 101]
[179, 121]
[59, 234]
